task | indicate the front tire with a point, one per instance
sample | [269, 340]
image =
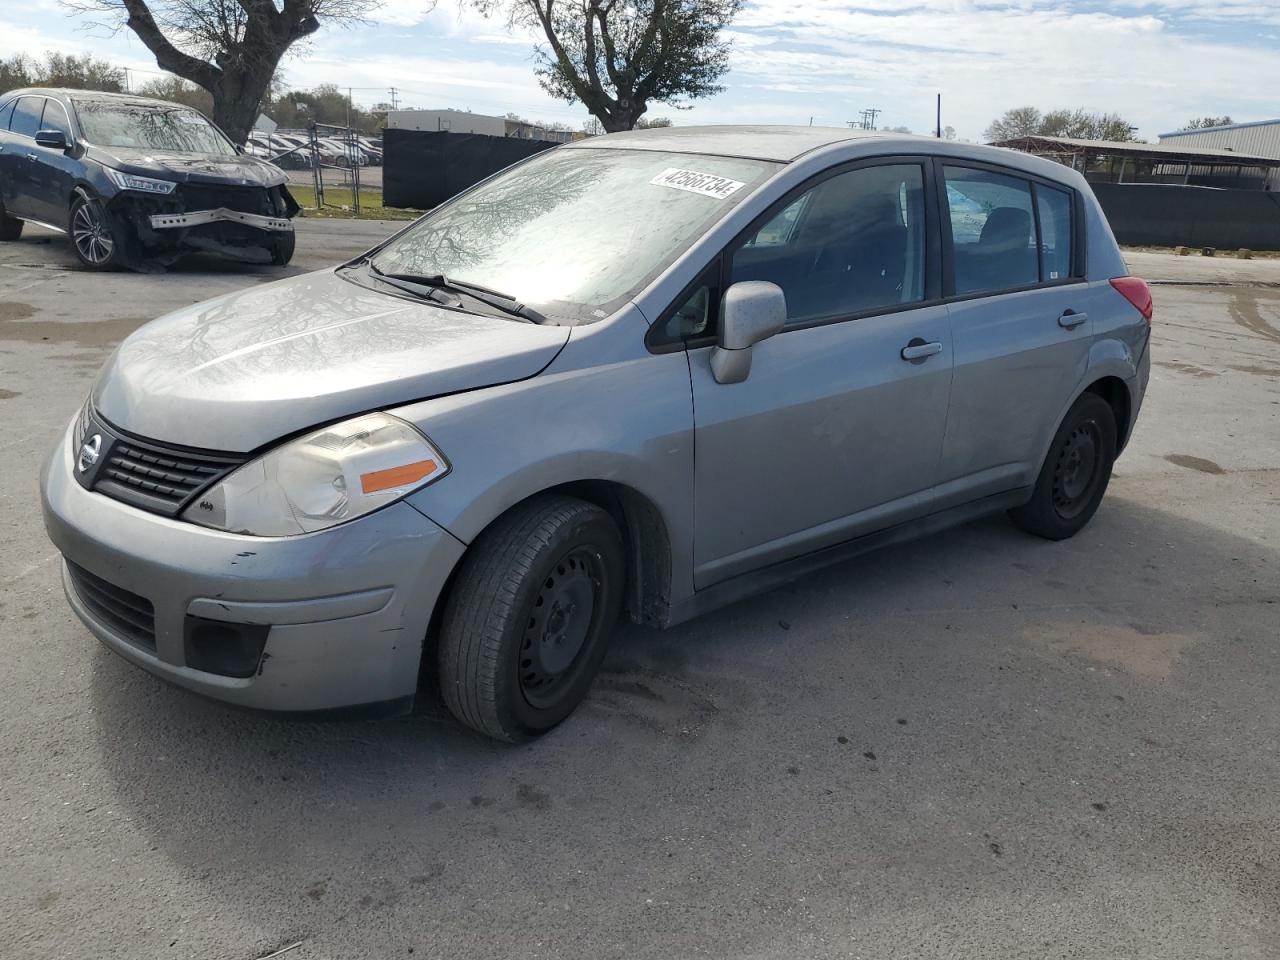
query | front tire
[1075, 473]
[282, 248]
[97, 240]
[528, 619]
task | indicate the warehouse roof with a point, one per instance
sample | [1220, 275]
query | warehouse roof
[1151, 151]
[1225, 126]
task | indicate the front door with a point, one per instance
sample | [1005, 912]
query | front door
[835, 433]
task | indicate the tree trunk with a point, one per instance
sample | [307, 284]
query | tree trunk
[237, 100]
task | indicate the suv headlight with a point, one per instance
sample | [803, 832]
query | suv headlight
[129, 181]
[327, 477]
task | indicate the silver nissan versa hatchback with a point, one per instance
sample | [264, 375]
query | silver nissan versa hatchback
[640, 374]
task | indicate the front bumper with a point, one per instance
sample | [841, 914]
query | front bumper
[347, 608]
[172, 221]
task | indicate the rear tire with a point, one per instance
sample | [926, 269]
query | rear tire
[10, 227]
[1075, 473]
[528, 619]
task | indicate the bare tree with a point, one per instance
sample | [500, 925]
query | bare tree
[231, 48]
[615, 57]
[1077, 123]
[1203, 123]
[60, 70]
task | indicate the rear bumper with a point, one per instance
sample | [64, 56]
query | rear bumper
[345, 610]
[171, 221]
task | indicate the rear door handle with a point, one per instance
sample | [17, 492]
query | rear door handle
[1070, 319]
[919, 349]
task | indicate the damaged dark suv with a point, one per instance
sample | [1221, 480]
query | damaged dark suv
[135, 181]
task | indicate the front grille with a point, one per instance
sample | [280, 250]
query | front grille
[131, 616]
[154, 476]
[205, 196]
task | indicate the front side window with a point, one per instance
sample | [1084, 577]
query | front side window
[993, 232]
[1054, 208]
[145, 126]
[55, 118]
[574, 232]
[26, 116]
[852, 244]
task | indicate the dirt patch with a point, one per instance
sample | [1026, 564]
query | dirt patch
[1134, 650]
[1200, 373]
[1257, 371]
[1194, 463]
[8, 394]
[103, 334]
[16, 311]
[1245, 311]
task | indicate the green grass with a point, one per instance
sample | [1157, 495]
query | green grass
[339, 202]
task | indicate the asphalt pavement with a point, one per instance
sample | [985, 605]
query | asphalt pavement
[980, 745]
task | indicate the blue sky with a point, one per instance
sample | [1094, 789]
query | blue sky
[1157, 62]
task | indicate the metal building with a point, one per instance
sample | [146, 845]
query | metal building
[1261, 138]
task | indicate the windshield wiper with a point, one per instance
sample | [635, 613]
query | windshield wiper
[438, 281]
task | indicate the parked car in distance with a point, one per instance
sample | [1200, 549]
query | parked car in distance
[475, 444]
[279, 152]
[132, 179]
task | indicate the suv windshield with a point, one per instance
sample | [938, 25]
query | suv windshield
[575, 231]
[149, 126]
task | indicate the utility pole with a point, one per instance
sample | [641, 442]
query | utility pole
[395, 103]
[868, 121]
[938, 132]
[127, 87]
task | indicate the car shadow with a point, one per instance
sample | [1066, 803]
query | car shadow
[934, 700]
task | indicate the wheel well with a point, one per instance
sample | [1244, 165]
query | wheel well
[645, 538]
[1114, 391]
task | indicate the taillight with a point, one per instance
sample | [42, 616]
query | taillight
[1136, 291]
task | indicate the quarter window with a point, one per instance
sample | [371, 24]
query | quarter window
[852, 244]
[26, 116]
[55, 118]
[992, 230]
[6, 114]
[1054, 208]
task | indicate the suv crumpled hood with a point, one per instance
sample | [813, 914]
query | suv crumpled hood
[242, 370]
[191, 167]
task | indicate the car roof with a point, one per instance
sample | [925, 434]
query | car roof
[757, 142]
[84, 95]
[786, 144]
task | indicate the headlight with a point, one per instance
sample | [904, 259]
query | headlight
[325, 478]
[128, 181]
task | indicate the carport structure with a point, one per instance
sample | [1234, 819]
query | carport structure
[1110, 161]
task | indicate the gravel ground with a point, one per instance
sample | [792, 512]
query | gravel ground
[978, 745]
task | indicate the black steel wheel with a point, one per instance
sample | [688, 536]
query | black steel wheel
[527, 620]
[96, 239]
[1075, 474]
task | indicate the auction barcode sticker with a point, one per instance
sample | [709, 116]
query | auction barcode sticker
[706, 184]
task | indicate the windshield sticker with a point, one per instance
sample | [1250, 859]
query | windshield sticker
[691, 180]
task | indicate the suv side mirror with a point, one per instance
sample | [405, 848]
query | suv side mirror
[53, 139]
[752, 310]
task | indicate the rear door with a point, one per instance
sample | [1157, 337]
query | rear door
[834, 433]
[1014, 265]
[18, 160]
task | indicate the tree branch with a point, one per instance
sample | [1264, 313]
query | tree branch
[168, 57]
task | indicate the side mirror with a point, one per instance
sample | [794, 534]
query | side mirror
[53, 139]
[752, 310]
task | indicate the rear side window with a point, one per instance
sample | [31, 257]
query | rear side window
[26, 116]
[992, 230]
[6, 114]
[55, 118]
[1054, 207]
[852, 244]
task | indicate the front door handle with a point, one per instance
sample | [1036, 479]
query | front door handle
[918, 349]
[1070, 319]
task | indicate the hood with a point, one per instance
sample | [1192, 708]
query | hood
[240, 371]
[238, 170]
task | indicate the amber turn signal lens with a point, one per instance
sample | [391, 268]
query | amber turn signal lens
[396, 476]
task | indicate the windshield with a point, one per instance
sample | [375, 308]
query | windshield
[575, 232]
[149, 126]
